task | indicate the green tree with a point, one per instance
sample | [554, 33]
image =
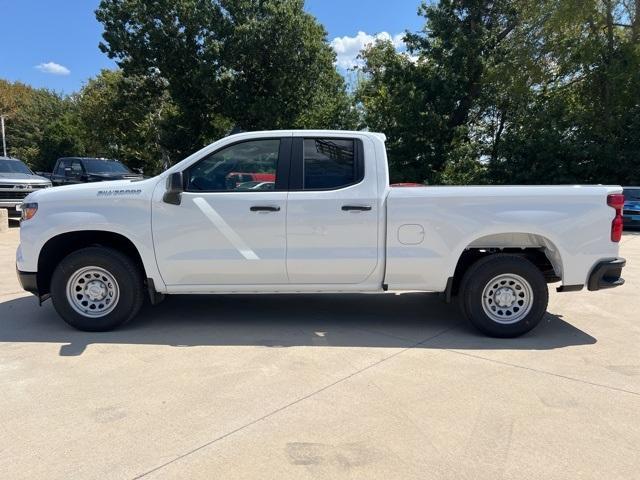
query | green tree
[41, 125]
[578, 121]
[125, 118]
[431, 96]
[392, 102]
[283, 69]
[179, 44]
[516, 91]
[252, 64]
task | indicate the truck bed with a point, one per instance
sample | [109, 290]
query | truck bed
[429, 228]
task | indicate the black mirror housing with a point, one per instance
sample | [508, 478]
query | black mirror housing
[175, 187]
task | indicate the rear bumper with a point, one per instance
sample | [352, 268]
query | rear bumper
[29, 281]
[606, 274]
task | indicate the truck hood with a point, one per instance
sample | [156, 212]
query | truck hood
[93, 190]
[8, 177]
[114, 176]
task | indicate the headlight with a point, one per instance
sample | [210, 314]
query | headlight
[28, 210]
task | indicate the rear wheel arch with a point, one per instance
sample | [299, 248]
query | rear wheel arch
[538, 249]
[60, 246]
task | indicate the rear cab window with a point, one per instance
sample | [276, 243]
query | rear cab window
[326, 163]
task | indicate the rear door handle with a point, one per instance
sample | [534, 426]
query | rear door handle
[360, 208]
[264, 208]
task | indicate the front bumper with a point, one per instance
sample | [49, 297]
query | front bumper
[606, 274]
[29, 281]
[12, 208]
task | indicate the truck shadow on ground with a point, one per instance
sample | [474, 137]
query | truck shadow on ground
[416, 320]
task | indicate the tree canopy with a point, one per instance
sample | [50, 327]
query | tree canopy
[511, 91]
[40, 124]
[248, 64]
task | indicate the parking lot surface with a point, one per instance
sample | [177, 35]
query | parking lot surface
[327, 386]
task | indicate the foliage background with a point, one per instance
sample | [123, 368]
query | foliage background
[501, 91]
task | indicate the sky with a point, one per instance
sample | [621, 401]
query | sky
[54, 43]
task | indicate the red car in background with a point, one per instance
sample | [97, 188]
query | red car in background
[408, 184]
[241, 177]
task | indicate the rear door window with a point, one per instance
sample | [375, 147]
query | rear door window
[330, 163]
[76, 168]
[61, 166]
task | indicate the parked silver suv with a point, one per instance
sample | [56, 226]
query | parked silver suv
[16, 182]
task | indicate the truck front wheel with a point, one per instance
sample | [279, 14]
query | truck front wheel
[504, 295]
[97, 289]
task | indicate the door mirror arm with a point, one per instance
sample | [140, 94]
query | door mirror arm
[175, 187]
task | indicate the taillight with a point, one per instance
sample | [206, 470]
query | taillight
[616, 200]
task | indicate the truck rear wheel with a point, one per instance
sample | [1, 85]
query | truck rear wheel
[97, 289]
[504, 295]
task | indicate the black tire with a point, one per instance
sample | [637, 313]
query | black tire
[129, 285]
[482, 273]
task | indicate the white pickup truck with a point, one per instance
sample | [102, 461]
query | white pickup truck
[312, 211]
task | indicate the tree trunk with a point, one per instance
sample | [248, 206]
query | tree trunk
[496, 140]
[635, 22]
[606, 100]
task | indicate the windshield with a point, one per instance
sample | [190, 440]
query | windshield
[14, 166]
[632, 194]
[95, 165]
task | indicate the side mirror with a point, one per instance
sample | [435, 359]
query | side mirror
[175, 187]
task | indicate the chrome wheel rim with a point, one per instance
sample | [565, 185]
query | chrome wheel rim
[507, 298]
[93, 292]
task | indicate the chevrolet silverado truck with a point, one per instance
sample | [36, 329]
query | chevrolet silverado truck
[72, 170]
[331, 223]
[16, 182]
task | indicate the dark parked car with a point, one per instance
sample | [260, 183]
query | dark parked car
[631, 211]
[72, 170]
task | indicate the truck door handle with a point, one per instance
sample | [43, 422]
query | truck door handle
[264, 208]
[360, 208]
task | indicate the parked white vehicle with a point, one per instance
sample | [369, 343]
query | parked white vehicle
[16, 182]
[330, 224]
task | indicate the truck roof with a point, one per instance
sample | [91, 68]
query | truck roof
[379, 135]
[89, 158]
[323, 133]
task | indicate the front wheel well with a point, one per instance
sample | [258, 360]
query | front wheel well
[535, 255]
[58, 247]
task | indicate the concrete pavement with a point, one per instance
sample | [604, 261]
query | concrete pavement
[310, 387]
